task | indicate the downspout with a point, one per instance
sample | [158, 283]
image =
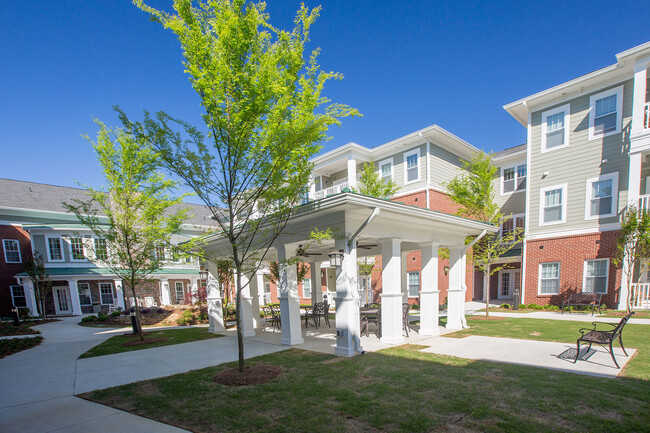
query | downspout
[428, 178]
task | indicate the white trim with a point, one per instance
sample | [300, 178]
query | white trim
[539, 278]
[408, 292]
[589, 182]
[408, 153]
[392, 167]
[83, 249]
[618, 91]
[49, 252]
[524, 248]
[566, 108]
[101, 299]
[513, 218]
[303, 288]
[515, 167]
[584, 275]
[4, 247]
[90, 294]
[176, 283]
[579, 232]
[564, 202]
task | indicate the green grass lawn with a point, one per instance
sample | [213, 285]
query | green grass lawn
[123, 343]
[14, 345]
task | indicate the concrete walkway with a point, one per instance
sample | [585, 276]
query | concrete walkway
[576, 317]
[39, 384]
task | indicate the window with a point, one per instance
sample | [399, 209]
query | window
[602, 197]
[84, 294]
[515, 221]
[179, 291]
[77, 249]
[552, 208]
[18, 296]
[413, 284]
[549, 278]
[101, 252]
[555, 128]
[176, 255]
[12, 251]
[411, 166]
[54, 250]
[160, 253]
[605, 113]
[306, 288]
[106, 293]
[514, 179]
[596, 273]
[386, 170]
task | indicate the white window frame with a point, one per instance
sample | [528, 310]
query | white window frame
[542, 192]
[618, 91]
[514, 218]
[101, 298]
[11, 290]
[305, 295]
[408, 284]
[539, 279]
[384, 162]
[609, 176]
[83, 249]
[516, 179]
[49, 252]
[95, 248]
[584, 275]
[90, 294]
[4, 247]
[416, 152]
[182, 286]
[567, 123]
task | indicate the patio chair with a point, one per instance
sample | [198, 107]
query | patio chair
[272, 316]
[367, 319]
[326, 313]
[406, 307]
[603, 337]
[317, 312]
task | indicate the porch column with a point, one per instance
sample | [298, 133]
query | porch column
[316, 288]
[352, 172]
[638, 105]
[347, 301]
[633, 195]
[213, 295]
[255, 288]
[165, 297]
[391, 292]
[429, 293]
[455, 294]
[194, 290]
[248, 326]
[261, 288]
[289, 300]
[30, 297]
[404, 277]
[74, 297]
[119, 293]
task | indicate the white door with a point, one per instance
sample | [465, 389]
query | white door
[62, 300]
[509, 280]
[365, 288]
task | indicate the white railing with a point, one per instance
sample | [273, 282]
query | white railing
[641, 295]
[644, 202]
[646, 116]
[331, 190]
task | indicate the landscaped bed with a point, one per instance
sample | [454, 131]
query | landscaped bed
[25, 327]
[10, 346]
[129, 342]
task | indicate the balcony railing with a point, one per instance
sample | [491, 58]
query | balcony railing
[646, 116]
[644, 203]
[641, 295]
[331, 190]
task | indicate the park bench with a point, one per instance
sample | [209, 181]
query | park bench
[581, 299]
[603, 337]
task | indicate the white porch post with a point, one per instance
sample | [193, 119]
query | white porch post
[633, 194]
[391, 292]
[404, 276]
[429, 295]
[165, 297]
[30, 296]
[455, 294]
[74, 297]
[215, 307]
[352, 172]
[119, 292]
[312, 187]
[248, 326]
[255, 299]
[194, 290]
[316, 289]
[261, 293]
[347, 301]
[638, 105]
[289, 300]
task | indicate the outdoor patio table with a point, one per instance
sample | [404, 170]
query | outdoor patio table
[371, 315]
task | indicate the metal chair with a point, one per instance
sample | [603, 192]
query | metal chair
[406, 307]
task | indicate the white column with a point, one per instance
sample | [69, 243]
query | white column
[638, 105]
[30, 297]
[248, 326]
[194, 289]
[74, 297]
[261, 300]
[463, 285]
[316, 288]
[352, 172]
[633, 194]
[455, 299]
[404, 277]
[255, 289]
[347, 301]
[391, 292]
[312, 187]
[429, 293]
[119, 292]
[215, 307]
[165, 297]
[289, 300]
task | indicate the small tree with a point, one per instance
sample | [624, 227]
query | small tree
[633, 246]
[134, 214]
[301, 270]
[474, 192]
[35, 268]
[370, 183]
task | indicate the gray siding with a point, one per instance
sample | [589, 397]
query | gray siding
[444, 165]
[39, 246]
[580, 161]
[509, 204]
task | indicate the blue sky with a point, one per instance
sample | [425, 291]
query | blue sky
[407, 65]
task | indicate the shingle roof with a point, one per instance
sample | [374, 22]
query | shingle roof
[509, 151]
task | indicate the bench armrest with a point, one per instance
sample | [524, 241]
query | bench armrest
[613, 325]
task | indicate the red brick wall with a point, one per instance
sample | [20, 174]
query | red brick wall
[571, 252]
[8, 270]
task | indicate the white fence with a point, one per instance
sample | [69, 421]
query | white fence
[331, 190]
[641, 295]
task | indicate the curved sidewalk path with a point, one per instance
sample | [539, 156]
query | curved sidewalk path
[40, 383]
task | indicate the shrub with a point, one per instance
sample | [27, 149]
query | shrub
[23, 313]
[522, 306]
[506, 306]
[101, 317]
[186, 319]
[202, 317]
[89, 319]
[144, 311]
[115, 313]
[160, 311]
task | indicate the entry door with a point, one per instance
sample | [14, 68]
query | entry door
[508, 281]
[62, 300]
[365, 289]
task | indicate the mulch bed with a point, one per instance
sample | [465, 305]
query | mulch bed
[146, 341]
[252, 375]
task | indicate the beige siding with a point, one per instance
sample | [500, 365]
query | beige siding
[398, 168]
[509, 204]
[444, 166]
[580, 161]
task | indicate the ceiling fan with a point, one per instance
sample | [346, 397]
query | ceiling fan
[367, 246]
[300, 251]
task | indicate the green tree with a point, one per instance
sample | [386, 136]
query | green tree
[264, 114]
[370, 183]
[134, 214]
[35, 268]
[473, 190]
[633, 246]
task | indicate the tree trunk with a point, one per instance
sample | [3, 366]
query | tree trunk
[628, 298]
[240, 334]
[486, 277]
[137, 314]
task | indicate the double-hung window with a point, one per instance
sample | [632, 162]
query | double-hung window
[605, 113]
[306, 288]
[180, 296]
[84, 294]
[54, 249]
[101, 251]
[602, 195]
[413, 284]
[386, 170]
[514, 179]
[160, 253]
[515, 222]
[555, 128]
[12, 251]
[18, 296]
[77, 249]
[553, 205]
[412, 166]
[106, 293]
[595, 276]
[549, 278]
